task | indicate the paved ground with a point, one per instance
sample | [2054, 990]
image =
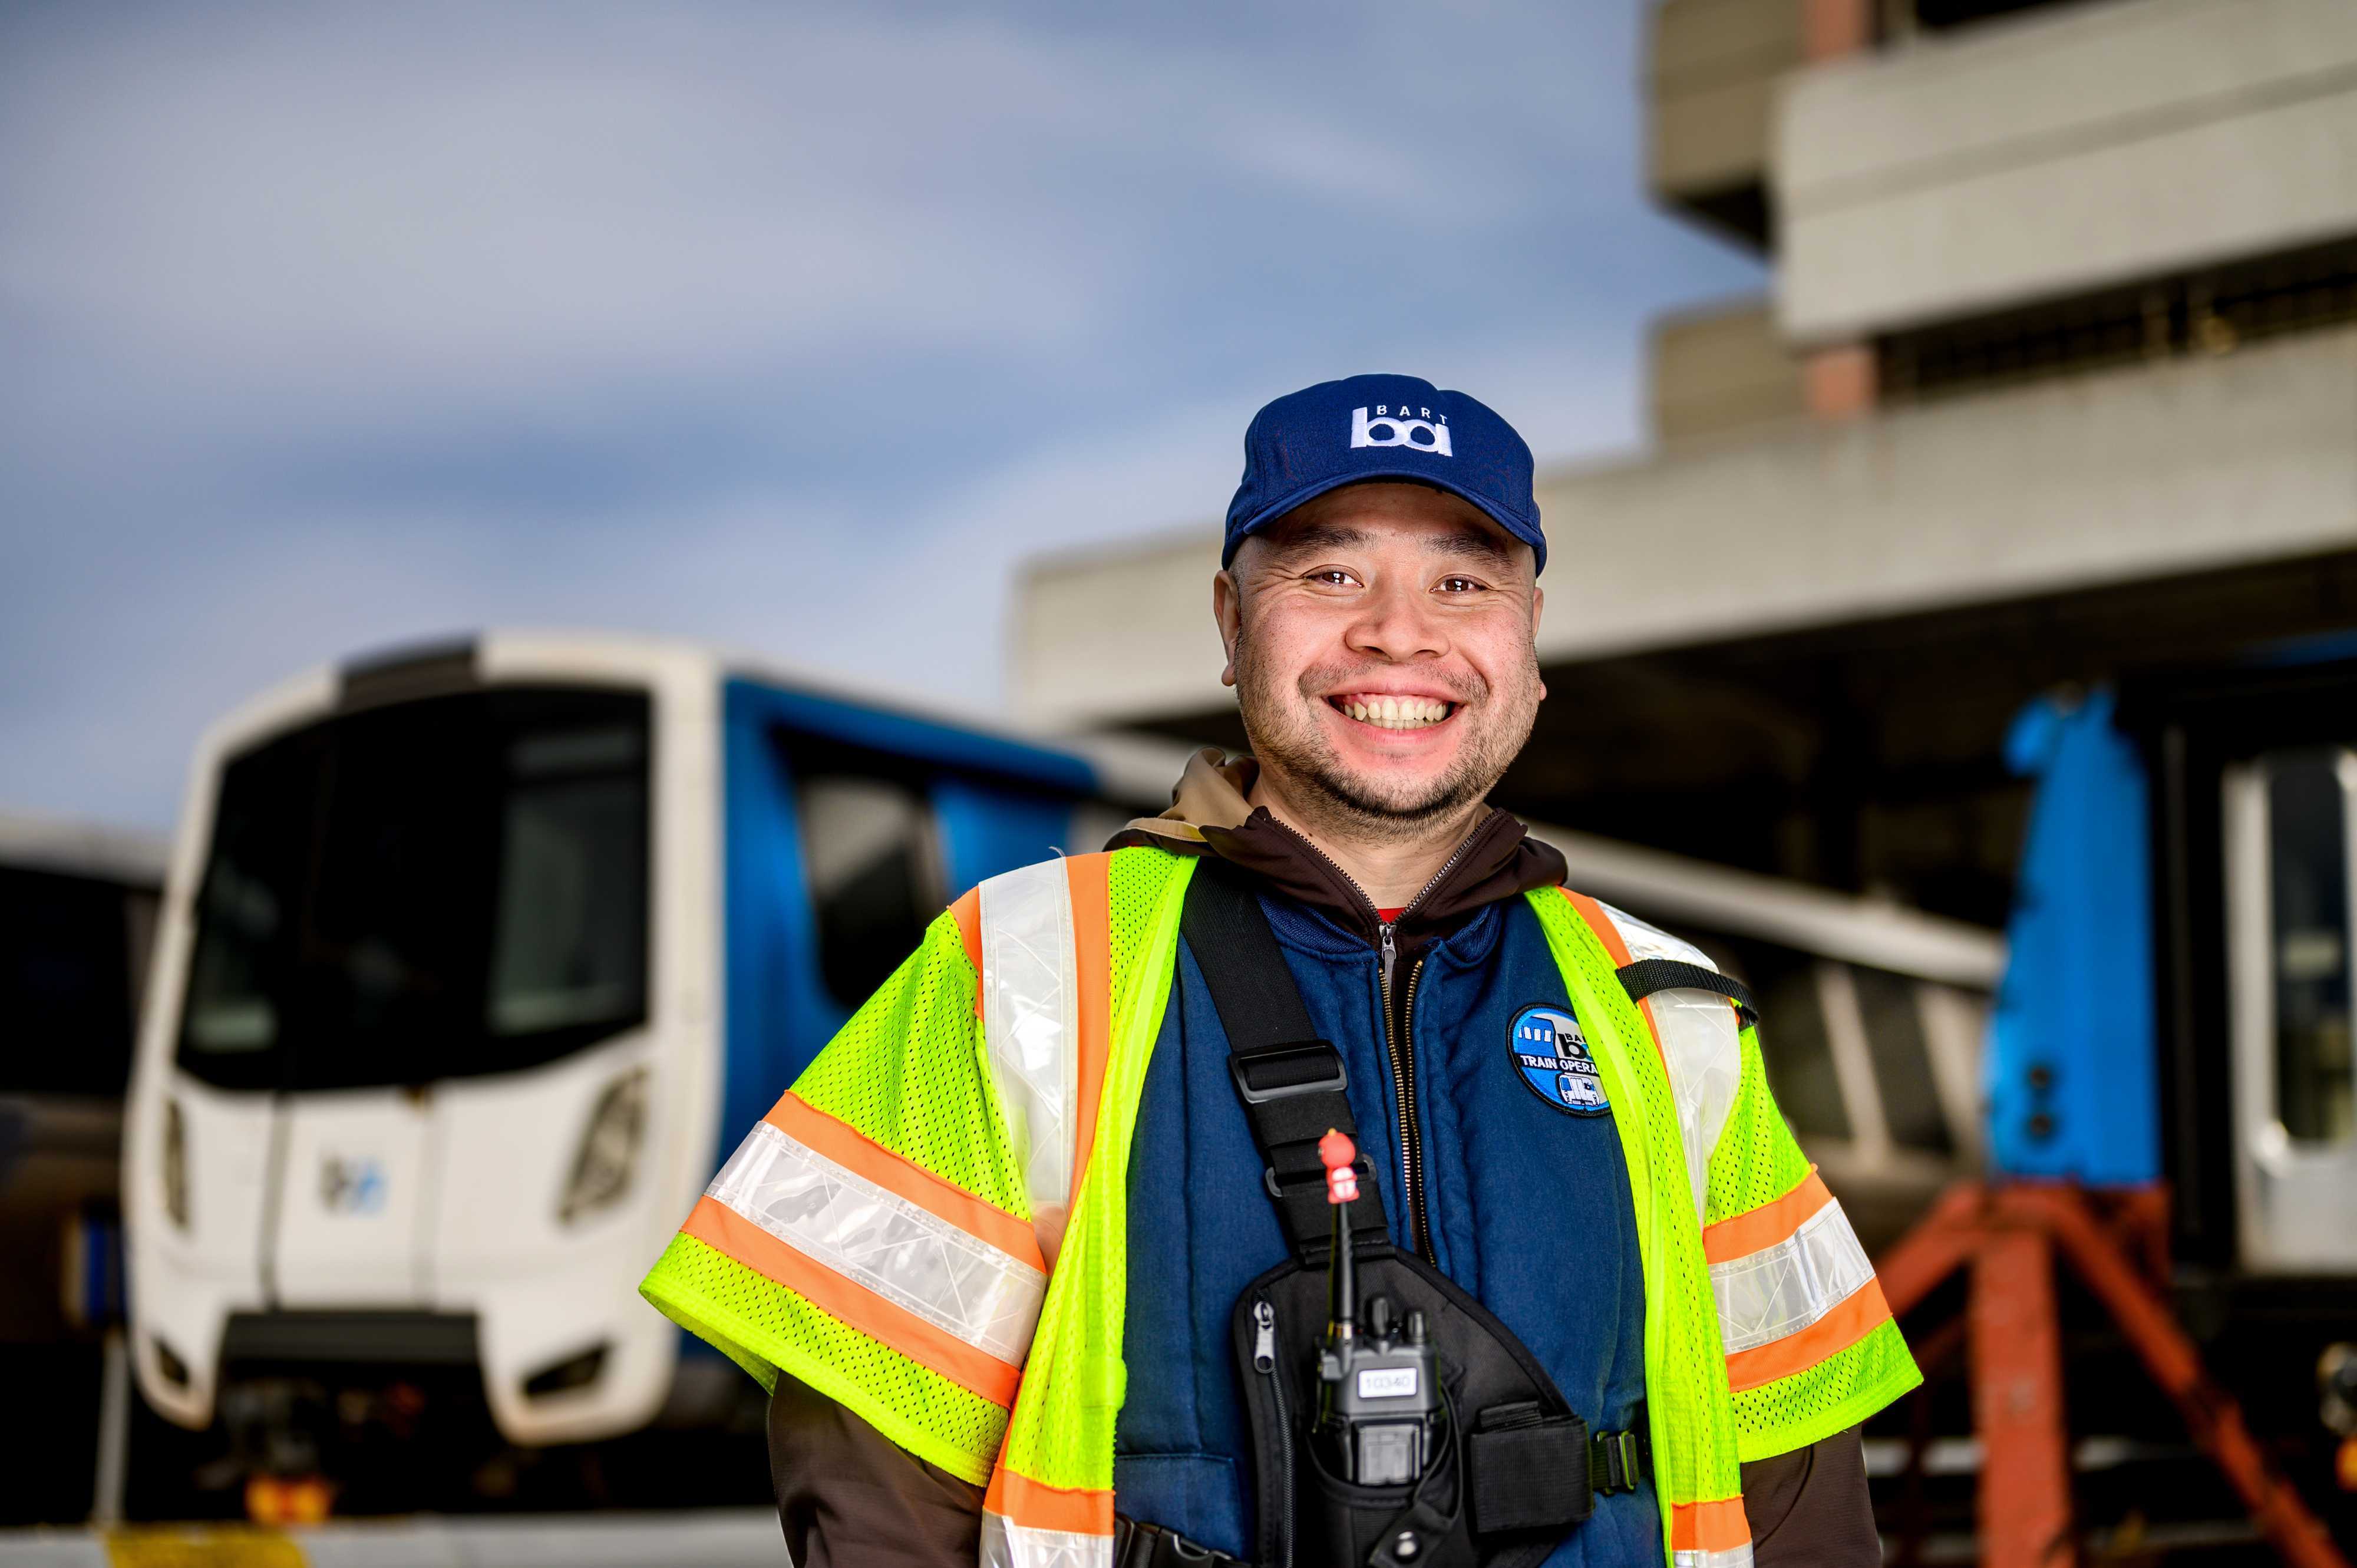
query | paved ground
[732, 1538]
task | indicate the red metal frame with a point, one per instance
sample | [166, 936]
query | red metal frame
[2009, 1235]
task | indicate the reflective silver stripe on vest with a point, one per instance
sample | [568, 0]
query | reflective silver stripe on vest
[906, 1254]
[1732, 1557]
[1005, 1544]
[1783, 1289]
[1030, 1022]
[1701, 1047]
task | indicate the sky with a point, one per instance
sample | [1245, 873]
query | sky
[329, 327]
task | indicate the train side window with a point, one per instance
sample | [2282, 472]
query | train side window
[1903, 1066]
[872, 854]
[66, 963]
[2308, 854]
[1798, 1051]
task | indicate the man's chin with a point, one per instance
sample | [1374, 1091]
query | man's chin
[1391, 799]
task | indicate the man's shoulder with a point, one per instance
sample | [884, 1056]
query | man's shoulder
[1647, 941]
[1641, 939]
[1125, 852]
[1097, 887]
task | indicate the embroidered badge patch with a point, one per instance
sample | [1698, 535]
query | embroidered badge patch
[1551, 1053]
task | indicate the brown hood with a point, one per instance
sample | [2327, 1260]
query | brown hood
[1210, 815]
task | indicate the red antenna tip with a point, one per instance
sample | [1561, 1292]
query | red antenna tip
[1340, 1157]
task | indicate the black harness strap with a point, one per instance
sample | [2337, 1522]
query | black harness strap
[1647, 975]
[1292, 1083]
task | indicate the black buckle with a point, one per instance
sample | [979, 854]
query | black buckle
[1244, 1067]
[1615, 1461]
[1277, 1188]
[1137, 1544]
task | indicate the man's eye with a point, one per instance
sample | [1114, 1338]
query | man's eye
[1460, 586]
[1334, 574]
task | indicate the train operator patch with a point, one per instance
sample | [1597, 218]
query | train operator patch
[1551, 1053]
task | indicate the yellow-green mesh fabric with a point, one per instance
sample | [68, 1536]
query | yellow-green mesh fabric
[763, 1328]
[1691, 1412]
[1832, 1396]
[911, 1071]
[1062, 1429]
[1757, 1160]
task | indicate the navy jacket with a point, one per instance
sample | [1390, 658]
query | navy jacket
[1528, 1205]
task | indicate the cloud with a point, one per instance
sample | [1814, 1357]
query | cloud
[326, 326]
[524, 196]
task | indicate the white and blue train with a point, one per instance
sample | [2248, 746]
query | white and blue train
[467, 958]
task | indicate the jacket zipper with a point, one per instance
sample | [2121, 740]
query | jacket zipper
[1402, 1051]
[1400, 1047]
[1264, 1363]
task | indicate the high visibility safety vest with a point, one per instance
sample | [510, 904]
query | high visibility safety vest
[931, 1227]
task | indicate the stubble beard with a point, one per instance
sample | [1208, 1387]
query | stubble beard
[1288, 740]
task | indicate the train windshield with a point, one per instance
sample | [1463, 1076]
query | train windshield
[432, 890]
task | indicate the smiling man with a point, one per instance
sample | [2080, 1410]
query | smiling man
[1042, 1255]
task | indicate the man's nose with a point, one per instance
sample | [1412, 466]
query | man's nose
[1397, 623]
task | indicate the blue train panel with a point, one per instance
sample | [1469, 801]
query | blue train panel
[993, 804]
[987, 827]
[2072, 1066]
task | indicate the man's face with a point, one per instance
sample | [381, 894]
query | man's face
[1380, 641]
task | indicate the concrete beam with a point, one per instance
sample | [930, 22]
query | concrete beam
[2063, 151]
[1720, 369]
[1710, 90]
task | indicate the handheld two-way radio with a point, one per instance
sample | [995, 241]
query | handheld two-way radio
[1379, 1399]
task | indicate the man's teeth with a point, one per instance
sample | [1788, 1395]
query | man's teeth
[1397, 713]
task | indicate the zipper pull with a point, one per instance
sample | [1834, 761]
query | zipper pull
[1263, 1337]
[1390, 949]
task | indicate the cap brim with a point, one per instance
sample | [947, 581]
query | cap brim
[1526, 531]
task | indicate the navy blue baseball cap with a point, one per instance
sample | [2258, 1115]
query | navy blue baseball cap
[1382, 428]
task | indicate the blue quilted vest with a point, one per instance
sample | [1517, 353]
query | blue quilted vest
[1528, 1205]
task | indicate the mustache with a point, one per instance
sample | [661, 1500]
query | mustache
[1461, 686]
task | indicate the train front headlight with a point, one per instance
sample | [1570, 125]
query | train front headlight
[608, 1155]
[173, 1164]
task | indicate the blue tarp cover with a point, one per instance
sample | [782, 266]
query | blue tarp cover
[2072, 1053]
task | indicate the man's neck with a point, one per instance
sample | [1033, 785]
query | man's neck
[1390, 868]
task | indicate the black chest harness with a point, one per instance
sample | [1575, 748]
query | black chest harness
[1498, 1466]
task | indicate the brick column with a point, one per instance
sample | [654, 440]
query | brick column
[1840, 383]
[1832, 29]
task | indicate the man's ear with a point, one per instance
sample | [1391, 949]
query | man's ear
[1538, 603]
[1227, 609]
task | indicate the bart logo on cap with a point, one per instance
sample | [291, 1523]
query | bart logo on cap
[1389, 429]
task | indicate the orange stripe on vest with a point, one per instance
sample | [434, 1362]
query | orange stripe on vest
[1709, 1527]
[717, 1226]
[1034, 1505]
[1836, 1331]
[855, 1152]
[1610, 935]
[1778, 1219]
[967, 912]
[1090, 878]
